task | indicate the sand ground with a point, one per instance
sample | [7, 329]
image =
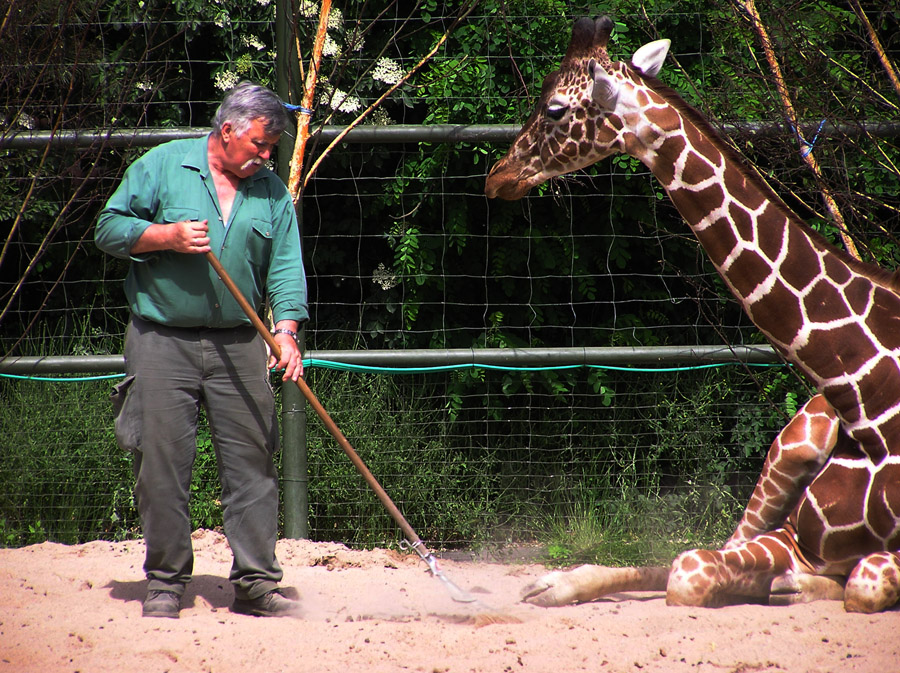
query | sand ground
[78, 608]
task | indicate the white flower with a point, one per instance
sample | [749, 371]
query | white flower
[308, 9]
[387, 71]
[335, 19]
[340, 100]
[264, 3]
[381, 276]
[144, 85]
[226, 80]
[379, 117]
[355, 41]
[330, 47]
[252, 41]
[26, 121]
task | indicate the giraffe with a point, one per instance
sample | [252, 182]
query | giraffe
[824, 520]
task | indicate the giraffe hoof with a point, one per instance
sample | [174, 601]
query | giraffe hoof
[579, 585]
[793, 588]
[547, 591]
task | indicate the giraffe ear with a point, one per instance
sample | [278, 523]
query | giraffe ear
[606, 90]
[649, 58]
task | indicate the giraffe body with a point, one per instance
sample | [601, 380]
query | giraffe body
[828, 501]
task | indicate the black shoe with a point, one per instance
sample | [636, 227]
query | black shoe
[271, 604]
[162, 604]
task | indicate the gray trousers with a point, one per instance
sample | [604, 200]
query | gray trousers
[170, 374]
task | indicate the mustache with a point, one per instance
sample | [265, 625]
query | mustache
[252, 162]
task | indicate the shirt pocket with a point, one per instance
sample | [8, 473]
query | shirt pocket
[259, 242]
[171, 214]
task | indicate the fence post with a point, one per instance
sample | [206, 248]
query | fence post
[294, 463]
[295, 476]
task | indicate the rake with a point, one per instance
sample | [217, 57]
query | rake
[414, 541]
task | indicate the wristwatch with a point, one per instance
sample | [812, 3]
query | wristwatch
[292, 333]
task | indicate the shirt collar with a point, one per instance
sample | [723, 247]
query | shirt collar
[197, 157]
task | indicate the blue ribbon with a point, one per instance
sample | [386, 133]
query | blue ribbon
[298, 108]
[805, 152]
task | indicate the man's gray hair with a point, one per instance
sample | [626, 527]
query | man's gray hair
[248, 101]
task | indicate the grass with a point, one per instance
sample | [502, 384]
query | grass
[628, 483]
[638, 529]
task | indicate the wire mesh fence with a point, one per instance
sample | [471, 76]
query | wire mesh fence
[470, 456]
[403, 250]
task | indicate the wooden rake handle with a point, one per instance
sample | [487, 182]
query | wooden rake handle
[335, 431]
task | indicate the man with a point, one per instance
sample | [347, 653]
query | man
[188, 344]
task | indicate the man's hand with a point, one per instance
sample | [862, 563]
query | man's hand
[189, 237]
[291, 359]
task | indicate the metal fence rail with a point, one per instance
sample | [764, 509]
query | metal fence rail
[398, 133]
[443, 357]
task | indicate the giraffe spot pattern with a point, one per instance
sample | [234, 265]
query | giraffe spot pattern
[695, 203]
[719, 240]
[697, 167]
[824, 303]
[666, 120]
[883, 506]
[744, 225]
[748, 271]
[783, 324]
[773, 247]
[877, 390]
[836, 269]
[884, 319]
[858, 293]
[832, 352]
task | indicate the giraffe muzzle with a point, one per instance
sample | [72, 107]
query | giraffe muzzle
[501, 183]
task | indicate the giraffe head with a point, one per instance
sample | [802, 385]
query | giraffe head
[585, 113]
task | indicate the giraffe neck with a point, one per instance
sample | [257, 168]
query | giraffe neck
[835, 318]
[744, 233]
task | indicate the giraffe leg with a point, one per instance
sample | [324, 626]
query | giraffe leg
[590, 582]
[695, 578]
[709, 578]
[874, 584]
[795, 457]
[744, 573]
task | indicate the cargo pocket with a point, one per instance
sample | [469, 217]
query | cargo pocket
[127, 415]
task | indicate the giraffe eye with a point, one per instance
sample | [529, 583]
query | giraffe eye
[556, 111]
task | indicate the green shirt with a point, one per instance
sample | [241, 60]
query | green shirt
[260, 247]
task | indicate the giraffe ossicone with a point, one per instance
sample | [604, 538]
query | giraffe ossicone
[824, 518]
